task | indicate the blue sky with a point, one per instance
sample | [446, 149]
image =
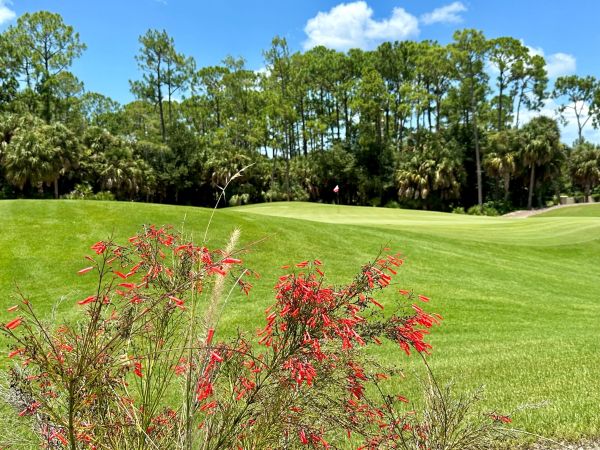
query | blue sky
[566, 33]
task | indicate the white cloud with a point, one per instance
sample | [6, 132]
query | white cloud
[266, 71]
[446, 14]
[351, 25]
[557, 64]
[568, 131]
[6, 14]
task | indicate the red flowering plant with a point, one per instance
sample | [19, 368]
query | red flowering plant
[142, 367]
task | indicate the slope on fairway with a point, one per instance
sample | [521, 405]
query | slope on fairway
[584, 210]
[519, 297]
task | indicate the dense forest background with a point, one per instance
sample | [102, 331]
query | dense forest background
[411, 124]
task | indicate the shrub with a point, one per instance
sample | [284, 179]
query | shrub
[458, 210]
[142, 367]
[84, 192]
[7, 192]
[104, 195]
[238, 200]
[487, 209]
[108, 378]
[278, 193]
[500, 206]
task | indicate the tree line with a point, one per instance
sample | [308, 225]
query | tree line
[413, 124]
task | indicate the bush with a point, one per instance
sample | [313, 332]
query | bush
[278, 193]
[142, 367]
[238, 200]
[7, 192]
[375, 201]
[458, 210]
[103, 195]
[84, 192]
[487, 209]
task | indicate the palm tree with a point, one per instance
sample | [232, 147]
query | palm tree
[37, 153]
[501, 161]
[29, 158]
[432, 168]
[65, 148]
[542, 138]
[585, 167]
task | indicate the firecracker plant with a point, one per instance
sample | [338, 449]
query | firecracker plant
[142, 367]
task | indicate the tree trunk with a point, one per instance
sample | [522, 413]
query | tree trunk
[500, 101]
[477, 155]
[302, 116]
[56, 187]
[160, 102]
[519, 107]
[587, 192]
[506, 187]
[437, 114]
[531, 185]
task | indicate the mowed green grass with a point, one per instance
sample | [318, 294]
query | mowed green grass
[585, 210]
[520, 297]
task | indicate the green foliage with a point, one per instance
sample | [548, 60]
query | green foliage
[85, 192]
[431, 167]
[580, 94]
[36, 153]
[419, 122]
[483, 210]
[584, 166]
[44, 46]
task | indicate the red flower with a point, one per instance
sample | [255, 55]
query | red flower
[16, 352]
[137, 369]
[86, 270]
[177, 301]
[209, 336]
[14, 323]
[500, 418]
[302, 436]
[87, 300]
[214, 356]
[217, 269]
[60, 437]
[99, 247]
[231, 261]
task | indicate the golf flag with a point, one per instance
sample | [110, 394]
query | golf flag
[336, 189]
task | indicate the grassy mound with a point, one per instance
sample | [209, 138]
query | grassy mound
[520, 298]
[586, 210]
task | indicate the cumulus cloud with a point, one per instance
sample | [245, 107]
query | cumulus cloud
[351, 25]
[445, 14]
[568, 130]
[6, 14]
[557, 64]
